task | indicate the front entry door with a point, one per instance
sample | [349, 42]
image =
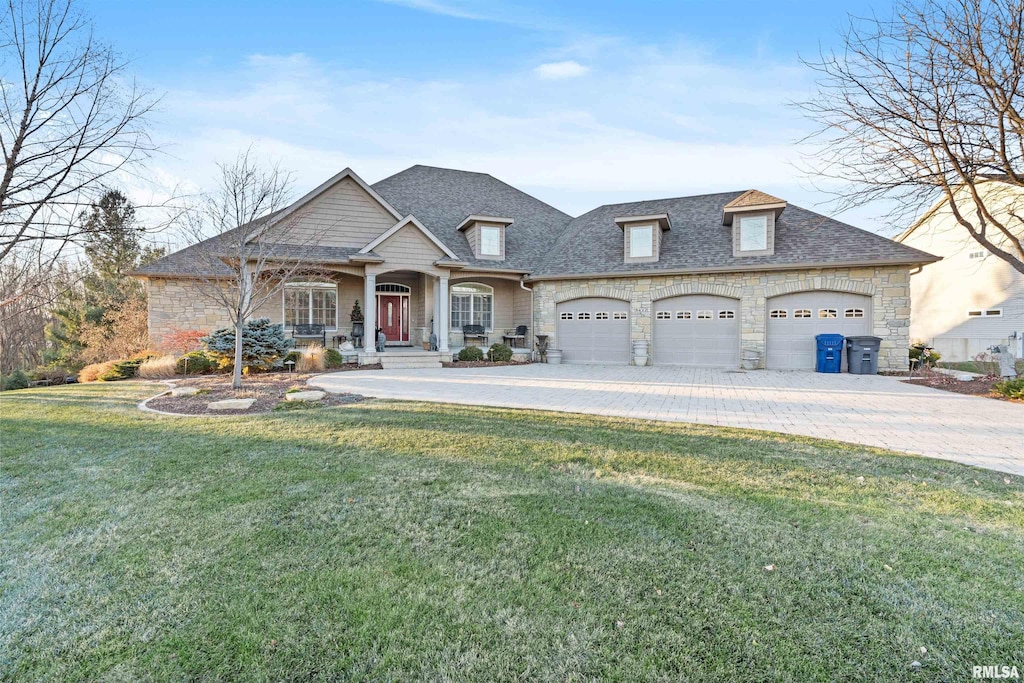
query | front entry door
[393, 317]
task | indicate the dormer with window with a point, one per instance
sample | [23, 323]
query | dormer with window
[486, 236]
[752, 216]
[642, 236]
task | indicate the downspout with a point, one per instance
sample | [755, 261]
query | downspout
[522, 285]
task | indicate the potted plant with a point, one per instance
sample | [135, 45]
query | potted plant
[356, 317]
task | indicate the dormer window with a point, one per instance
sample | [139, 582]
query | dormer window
[642, 236]
[490, 240]
[641, 241]
[753, 233]
[486, 235]
[752, 216]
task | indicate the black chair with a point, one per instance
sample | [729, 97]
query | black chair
[310, 331]
[473, 332]
[518, 338]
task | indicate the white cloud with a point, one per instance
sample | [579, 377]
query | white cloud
[560, 70]
[703, 127]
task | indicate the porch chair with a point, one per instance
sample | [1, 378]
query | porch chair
[310, 331]
[473, 332]
[518, 338]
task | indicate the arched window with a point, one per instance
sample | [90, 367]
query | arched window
[472, 304]
[311, 302]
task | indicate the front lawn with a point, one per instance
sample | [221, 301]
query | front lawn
[399, 541]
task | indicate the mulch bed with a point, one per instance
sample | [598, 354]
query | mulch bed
[481, 363]
[268, 390]
[981, 386]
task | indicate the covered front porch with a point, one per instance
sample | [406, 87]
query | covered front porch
[408, 307]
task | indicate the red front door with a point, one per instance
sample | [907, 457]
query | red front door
[393, 316]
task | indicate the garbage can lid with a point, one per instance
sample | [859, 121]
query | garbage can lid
[829, 337]
[864, 340]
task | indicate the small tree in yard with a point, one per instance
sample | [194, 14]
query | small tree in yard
[251, 244]
[929, 105]
[263, 343]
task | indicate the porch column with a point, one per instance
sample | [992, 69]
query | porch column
[370, 315]
[442, 317]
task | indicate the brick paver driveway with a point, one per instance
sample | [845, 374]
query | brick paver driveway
[877, 411]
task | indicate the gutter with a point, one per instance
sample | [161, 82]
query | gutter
[732, 269]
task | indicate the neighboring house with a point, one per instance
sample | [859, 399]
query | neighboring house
[701, 279]
[970, 300]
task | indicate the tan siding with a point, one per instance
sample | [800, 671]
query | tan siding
[344, 216]
[409, 248]
[504, 314]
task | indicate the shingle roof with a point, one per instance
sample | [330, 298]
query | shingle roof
[698, 241]
[441, 198]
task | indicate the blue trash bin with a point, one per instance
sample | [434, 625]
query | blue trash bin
[830, 353]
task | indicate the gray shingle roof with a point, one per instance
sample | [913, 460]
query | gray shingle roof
[593, 243]
[547, 242]
[442, 198]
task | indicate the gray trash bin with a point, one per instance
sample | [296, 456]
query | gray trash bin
[862, 354]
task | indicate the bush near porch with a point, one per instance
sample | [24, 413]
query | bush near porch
[402, 541]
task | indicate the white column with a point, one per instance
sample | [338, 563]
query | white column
[436, 317]
[442, 318]
[370, 315]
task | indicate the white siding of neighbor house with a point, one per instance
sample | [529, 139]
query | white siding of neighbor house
[942, 293]
[343, 216]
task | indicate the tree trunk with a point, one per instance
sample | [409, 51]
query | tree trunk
[236, 375]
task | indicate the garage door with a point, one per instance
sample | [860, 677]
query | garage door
[593, 331]
[795, 319]
[697, 330]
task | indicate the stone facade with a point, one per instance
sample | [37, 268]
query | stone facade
[179, 304]
[889, 287]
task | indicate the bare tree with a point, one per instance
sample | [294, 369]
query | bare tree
[256, 244]
[68, 121]
[926, 106]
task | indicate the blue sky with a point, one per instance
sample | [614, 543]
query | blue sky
[579, 103]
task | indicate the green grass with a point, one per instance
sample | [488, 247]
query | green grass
[400, 541]
[982, 368]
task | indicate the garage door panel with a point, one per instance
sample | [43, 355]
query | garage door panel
[793, 321]
[695, 330]
[593, 330]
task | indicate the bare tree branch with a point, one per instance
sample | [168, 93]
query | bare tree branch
[924, 106]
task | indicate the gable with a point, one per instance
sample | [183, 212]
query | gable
[409, 246]
[343, 215]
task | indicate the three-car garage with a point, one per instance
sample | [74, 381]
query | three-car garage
[703, 330]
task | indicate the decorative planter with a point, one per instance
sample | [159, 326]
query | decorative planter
[640, 348]
[751, 360]
[554, 356]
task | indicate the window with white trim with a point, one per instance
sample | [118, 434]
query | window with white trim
[976, 254]
[567, 316]
[802, 313]
[753, 233]
[472, 304]
[828, 313]
[664, 315]
[311, 302]
[641, 241]
[600, 316]
[703, 315]
[778, 313]
[490, 240]
[986, 313]
[853, 313]
[583, 316]
[619, 315]
[683, 315]
[726, 315]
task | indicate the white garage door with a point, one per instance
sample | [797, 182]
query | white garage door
[593, 331]
[697, 330]
[795, 319]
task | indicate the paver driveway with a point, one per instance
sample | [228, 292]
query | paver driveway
[872, 410]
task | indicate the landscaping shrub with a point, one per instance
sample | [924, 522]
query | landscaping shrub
[500, 353]
[263, 344]
[183, 341]
[195, 363]
[51, 374]
[92, 372]
[1011, 388]
[120, 369]
[471, 353]
[146, 354]
[162, 367]
[311, 359]
[15, 380]
[333, 358]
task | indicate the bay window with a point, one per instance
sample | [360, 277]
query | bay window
[472, 304]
